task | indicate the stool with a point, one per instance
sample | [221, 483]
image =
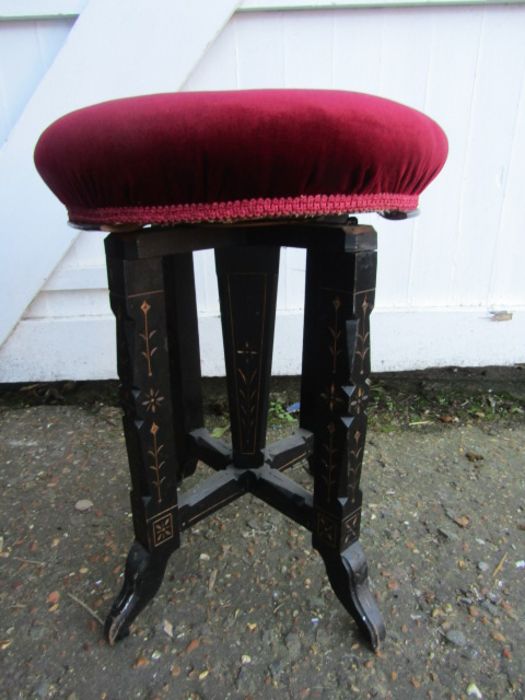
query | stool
[245, 173]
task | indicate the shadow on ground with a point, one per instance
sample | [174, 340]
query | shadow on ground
[246, 610]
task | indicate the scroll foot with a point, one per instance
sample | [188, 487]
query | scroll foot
[348, 574]
[142, 579]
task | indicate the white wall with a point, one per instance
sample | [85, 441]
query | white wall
[440, 276]
[27, 49]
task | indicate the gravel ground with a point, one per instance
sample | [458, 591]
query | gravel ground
[245, 610]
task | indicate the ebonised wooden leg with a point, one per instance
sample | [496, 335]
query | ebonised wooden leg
[143, 577]
[156, 374]
[248, 291]
[348, 573]
[340, 284]
[184, 355]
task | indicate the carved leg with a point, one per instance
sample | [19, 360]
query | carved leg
[248, 291]
[348, 573]
[151, 369]
[336, 364]
[142, 579]
[185, 363]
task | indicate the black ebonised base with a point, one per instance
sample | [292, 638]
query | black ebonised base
[153, 297]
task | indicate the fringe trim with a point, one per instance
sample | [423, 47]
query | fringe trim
[244, 209]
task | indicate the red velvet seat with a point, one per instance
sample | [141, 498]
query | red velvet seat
[225, 156]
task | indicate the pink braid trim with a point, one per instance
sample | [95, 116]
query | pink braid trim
[304, 205]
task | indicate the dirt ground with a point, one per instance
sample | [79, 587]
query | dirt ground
[246, 610]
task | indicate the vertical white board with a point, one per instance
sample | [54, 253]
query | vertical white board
[439, 275]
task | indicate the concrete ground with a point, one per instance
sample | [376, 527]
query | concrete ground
[246, 610]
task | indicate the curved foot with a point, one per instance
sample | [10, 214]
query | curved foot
[142, 579]
[348, 574]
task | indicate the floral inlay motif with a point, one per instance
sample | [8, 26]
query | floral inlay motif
[359, 401]
[147, 337]
[331, 397]
[355, 463]
[162, 529]
[326, 528]
[363, 337]
[247, 387]
[157, 465]
[351, 528]
[153, 400]
[329, 460]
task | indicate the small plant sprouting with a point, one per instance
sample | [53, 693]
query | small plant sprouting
[277, 413]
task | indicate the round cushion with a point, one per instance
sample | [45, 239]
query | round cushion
[226, 156]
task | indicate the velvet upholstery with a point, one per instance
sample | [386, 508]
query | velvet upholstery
[223, 156]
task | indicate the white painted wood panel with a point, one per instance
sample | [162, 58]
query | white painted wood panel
[27, 49]
[71, 304]
[507, 282]
[493, 130]
[273, 5]
[85, 72]
[452, 69]
[442, 61]
[41, 9]
[439, 275]
[32, 9]
[84, 347]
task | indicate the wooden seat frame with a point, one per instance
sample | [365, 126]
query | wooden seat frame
[152, 294]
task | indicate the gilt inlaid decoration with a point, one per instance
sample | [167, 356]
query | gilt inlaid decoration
[162, 529]
[147, 337]
[153, 400]
[347, 391]
[248, 389]
[157, 463]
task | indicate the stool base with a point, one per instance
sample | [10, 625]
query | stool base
[153, 297]
[347, 570]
